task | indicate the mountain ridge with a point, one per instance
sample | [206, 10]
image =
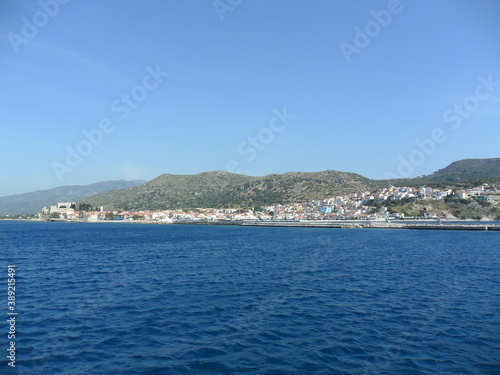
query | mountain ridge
[221, 189]
[465, 171]
[217, 188]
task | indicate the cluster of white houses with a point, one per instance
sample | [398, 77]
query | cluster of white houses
[351, 206]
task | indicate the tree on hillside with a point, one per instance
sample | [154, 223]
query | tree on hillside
[84, 207]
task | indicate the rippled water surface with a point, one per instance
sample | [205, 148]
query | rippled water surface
[121, 298]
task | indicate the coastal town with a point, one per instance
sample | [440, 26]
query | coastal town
[370, 206]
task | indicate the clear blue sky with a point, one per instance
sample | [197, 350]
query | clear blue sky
[229, 71]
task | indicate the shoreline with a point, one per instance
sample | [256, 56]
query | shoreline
[338, 224]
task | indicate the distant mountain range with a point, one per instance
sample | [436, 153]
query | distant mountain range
[222, 189]
[33, 202]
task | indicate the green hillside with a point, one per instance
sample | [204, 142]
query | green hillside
[222, 189]
[468, 172]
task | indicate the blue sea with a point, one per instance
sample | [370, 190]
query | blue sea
[136, 299]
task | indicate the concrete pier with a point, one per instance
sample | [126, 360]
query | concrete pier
[354, 225]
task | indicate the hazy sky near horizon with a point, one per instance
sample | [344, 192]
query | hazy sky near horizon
[105, 90]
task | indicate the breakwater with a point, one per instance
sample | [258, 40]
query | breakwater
[352, 224]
